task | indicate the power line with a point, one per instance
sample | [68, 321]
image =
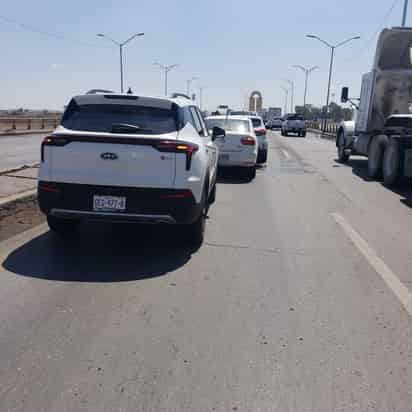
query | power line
[373, 37]
[26, 27]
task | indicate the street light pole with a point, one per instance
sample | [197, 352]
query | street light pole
[201, 88]
[286, 90]
[332, 55]
[292, 88]
[120, 45]
[188, 83]
[405, 12]
[307, 72]
[166, 70]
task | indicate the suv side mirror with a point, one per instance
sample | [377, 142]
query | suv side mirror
[345, 95]
[218, 133]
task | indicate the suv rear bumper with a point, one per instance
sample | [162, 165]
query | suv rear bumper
[143, 205]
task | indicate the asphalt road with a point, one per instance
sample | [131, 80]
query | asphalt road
[16, 151]
[297, 302]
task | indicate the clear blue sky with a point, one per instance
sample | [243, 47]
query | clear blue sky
[234, 47]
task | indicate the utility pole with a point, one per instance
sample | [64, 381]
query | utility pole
[120, 45]
[405, 12]
[201, 88]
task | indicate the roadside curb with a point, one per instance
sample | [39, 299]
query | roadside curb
[22, 133]
[322, 135]
[11, 201]
[18, 169]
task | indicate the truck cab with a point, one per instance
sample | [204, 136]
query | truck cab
[386, 91]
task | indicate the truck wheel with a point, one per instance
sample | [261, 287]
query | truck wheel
[343, 155]
[303, 134]
[375, 156]
[62, 227]
[392, 162]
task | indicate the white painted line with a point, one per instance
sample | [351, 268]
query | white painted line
[285, 153]
[391, 280]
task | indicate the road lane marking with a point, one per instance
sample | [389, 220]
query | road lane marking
[392, 281]
[285, 153]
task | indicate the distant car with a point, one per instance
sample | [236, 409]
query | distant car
[260, 131]
[294, 123]
[275, 123]
[128, 158]
[239, 148]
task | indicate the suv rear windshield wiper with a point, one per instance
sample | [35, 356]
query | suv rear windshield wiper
[128, 128]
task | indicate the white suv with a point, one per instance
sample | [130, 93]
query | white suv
[128, 158]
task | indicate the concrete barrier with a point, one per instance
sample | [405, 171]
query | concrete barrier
[17, 124]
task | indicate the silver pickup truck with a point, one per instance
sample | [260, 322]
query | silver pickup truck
[294, 123]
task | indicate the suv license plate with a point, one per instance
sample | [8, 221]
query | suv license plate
[109, 204]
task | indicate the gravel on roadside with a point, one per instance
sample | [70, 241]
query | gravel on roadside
[19, 216]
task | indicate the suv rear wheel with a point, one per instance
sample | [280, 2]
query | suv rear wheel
[62, 227]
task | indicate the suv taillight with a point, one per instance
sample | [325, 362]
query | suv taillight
[248, 141]
[52, 141]
[176, 146]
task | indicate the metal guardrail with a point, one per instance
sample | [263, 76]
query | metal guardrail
[331, 128]
[15, 124]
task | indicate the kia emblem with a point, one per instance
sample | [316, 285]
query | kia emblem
[109, 156]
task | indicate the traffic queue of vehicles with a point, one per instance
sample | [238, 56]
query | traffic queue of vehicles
[123, 158]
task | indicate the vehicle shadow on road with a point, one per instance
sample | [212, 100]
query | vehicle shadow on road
[233, 176]
[102, 253]
[360, 169]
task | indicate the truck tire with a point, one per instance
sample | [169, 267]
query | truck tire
[375, 156]
[343, 155]
[304, 134]
[392, 163]
[62, 227]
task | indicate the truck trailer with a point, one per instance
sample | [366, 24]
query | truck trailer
[382, 127]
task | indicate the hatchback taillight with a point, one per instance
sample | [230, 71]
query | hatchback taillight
[176, 146]
[248, 141]
[52, 141]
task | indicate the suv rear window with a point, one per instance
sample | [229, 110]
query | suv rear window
[256, 122]
[229, 125]
[102, 117]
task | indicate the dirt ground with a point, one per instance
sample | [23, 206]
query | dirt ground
[19, 217]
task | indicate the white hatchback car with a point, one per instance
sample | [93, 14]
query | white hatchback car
[128, 158]
[239, 148]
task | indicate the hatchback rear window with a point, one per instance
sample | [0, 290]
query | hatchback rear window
[229, 125]
[257, 123]
[125, 118]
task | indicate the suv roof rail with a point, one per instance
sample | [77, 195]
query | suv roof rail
[97, 91]
[185, 96]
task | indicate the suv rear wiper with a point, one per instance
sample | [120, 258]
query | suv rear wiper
[128, 128]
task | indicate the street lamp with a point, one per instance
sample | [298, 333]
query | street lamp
[188, 83]
[332, 48]
[307, 72]
[121, 45]
[405, 12]
[166, 70]
[286, 90]
[201, 88]
[292, 88]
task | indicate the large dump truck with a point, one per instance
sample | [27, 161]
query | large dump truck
[382, 129]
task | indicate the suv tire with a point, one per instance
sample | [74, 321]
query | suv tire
[62, 227]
